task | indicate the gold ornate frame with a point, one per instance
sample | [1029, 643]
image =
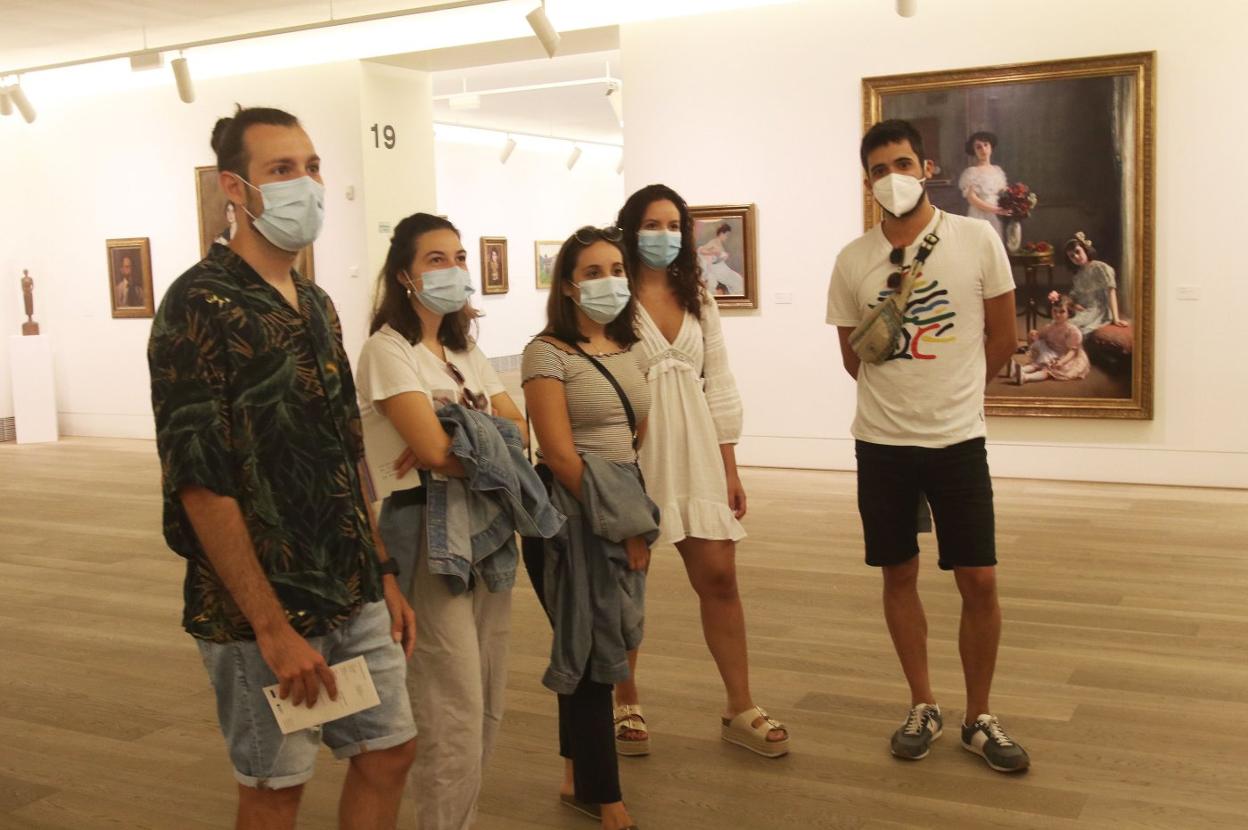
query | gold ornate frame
[748, 214]
[499, 242]
[144, 246]
[1140, 68]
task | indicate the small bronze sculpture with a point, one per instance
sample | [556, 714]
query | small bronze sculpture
[30, 327]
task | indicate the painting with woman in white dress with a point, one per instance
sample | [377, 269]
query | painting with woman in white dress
[724, 239]
[1078, 133]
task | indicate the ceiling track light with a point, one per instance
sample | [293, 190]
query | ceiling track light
[508, 149]
[615, 97]
[575, 157]
[907, 8]
[619, 168]
[544, 29]
[6, 106]
[19, 99]
[182, 76]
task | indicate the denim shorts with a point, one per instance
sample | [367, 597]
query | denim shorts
[265, 758]
[957, 484]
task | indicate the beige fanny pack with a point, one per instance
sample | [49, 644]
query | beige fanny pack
[875, 338]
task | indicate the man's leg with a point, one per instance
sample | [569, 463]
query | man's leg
[907, 624]
[380, 741]
[374, 788]
[267, 809]
[979, 635]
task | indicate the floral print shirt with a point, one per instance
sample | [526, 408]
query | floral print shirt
[254, 400]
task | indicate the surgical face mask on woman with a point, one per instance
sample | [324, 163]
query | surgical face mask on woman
[658, 248]
[603, 299]
[444, 291]
[294, 211]
[898, 193]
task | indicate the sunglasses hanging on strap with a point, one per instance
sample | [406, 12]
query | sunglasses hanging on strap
[875, 338]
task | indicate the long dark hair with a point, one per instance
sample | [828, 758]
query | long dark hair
[394, 307]
[684, 274]
[561, 320]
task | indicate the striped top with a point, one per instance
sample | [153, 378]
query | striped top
[599, 423]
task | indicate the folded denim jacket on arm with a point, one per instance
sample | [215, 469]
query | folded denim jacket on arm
[471, 523]
[596, 604]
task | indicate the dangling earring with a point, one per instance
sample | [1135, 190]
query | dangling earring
[407, 286]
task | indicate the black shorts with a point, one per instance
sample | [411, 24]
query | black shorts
[957, 485]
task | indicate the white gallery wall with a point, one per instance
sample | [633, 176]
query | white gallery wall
[122, 165]
[532, 197]
[764, 106]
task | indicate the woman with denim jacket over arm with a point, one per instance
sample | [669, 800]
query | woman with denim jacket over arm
[417, 359]
[576, 411]
[690, 460]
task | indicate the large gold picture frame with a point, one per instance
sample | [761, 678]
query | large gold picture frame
[1080, 135]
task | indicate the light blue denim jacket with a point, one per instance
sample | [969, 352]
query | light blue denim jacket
[472, 522]
[596, 604]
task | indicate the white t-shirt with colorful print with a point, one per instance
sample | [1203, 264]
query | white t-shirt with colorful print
[930, 393]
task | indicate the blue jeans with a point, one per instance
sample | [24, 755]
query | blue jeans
[265, 758]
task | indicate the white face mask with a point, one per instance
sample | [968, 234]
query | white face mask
[898, 193]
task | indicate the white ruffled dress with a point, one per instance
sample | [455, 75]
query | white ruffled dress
[695, 407]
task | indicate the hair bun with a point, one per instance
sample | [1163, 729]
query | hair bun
[218, 132]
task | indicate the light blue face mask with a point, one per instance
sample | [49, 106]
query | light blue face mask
[294, 211]
[444, 291]
[603, 299]
[658, 248]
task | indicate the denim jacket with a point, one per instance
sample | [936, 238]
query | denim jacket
[596, 604]
[471, 523]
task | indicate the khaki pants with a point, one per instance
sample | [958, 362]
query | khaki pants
[456, 680]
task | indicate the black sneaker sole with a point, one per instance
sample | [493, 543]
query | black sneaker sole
[1007, 770]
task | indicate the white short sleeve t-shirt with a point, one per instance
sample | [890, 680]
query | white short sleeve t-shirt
[931, 392]
[390, 366]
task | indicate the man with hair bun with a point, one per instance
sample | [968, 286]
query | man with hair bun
[261, 456]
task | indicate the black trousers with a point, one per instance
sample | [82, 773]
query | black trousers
[586, 718]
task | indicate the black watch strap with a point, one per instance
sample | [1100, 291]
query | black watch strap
[390, 567]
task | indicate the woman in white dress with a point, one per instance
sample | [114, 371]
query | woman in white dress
[689, 459]
[983, 181]
[716, 273]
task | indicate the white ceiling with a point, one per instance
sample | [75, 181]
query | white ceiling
[579, 112]
[39, 32]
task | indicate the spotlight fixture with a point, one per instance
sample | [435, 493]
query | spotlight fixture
[19, 99]
[508, 149]
[575, 157]
[907, 8]
[615, 97]
[619, 168]
[182, 75]
[6, 106]
[544, 29]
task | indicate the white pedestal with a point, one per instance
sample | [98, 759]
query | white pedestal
[34, 389]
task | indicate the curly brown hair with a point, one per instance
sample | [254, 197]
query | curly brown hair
[684, 275]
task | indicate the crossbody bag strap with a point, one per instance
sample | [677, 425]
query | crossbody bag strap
[914, 270]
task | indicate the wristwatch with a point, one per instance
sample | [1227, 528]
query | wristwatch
[390, 567]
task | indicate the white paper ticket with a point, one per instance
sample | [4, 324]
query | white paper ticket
[356, 693]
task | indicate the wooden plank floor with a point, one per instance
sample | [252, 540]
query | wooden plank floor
[1124, 668]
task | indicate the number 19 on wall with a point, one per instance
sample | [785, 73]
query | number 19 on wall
[383, 136]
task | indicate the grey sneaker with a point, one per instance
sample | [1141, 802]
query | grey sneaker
[988, 740]
[914, 739]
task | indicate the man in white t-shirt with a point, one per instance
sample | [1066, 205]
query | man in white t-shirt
[920, 429]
